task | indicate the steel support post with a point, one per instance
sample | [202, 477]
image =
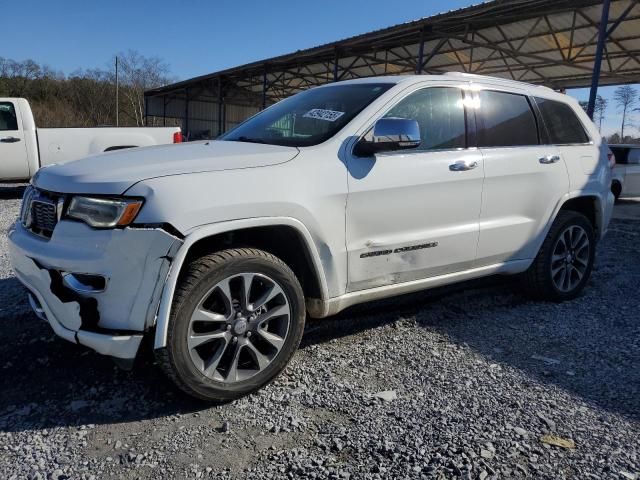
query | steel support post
[602, 38]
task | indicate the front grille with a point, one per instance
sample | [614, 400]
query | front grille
[44, 217]
[40, 211]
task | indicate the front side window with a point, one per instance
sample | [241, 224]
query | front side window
[439, 112]
[308, 118]
[563, 125]
[8, 119]
[505, 120]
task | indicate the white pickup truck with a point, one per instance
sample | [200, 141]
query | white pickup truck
[24, 149]
[626, 172]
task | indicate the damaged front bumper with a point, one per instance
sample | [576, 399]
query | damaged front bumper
[131, 265]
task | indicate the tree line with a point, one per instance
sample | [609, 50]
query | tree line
[85, 98]
[627, 100]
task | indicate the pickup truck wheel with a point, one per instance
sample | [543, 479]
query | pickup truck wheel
[237, 318]
[563, 265]
[616, 189]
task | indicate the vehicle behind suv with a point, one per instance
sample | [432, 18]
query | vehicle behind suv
[626, 172]
[342, 194]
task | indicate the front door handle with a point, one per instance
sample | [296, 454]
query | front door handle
[462, 166]
[549, 159]
[9, 139]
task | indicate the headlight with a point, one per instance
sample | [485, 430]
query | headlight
[103, 212]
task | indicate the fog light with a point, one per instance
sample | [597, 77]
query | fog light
[84, 282]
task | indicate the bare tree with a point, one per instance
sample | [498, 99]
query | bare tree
[626, 97]
[599, 109]
[84, 98]
[138, 73]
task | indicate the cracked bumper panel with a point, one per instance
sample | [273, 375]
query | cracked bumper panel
[134, 263]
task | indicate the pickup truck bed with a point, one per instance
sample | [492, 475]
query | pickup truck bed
[24, 148]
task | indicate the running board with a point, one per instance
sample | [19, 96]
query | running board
[320, 308]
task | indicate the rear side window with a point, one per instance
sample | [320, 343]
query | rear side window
[8, 120]
[439, 112]
[562, 123]
[505, 120]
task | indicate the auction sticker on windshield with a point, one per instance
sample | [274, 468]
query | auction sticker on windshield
[322, 114]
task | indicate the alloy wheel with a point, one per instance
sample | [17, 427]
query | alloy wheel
[238, 327]
[570, 258]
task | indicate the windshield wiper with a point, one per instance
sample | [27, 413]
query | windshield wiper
[249, 140]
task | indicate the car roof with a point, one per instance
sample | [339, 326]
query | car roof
[451, 76]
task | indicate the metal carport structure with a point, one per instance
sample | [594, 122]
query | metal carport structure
[558, 43]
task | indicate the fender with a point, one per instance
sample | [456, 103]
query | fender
[603, 207]
[203, 231]
[603, 212]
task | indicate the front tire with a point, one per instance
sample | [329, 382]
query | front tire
[564, 263]
[237, 319]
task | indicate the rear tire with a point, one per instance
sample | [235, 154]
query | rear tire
[616, 189]
[237, 319]
[564, 263]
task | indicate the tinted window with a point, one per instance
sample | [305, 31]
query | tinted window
[8, 120]
[308, 118]
[562, 123]
[505, 120]
[621, 154]
[440, 114]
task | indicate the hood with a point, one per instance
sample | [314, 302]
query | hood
[114, 172]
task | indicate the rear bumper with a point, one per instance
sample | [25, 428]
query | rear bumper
[112, 320]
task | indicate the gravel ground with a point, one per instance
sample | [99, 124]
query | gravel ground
[462, 382]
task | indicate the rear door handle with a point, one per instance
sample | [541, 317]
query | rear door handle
[9, 139]
[462, 166]
[549, 159]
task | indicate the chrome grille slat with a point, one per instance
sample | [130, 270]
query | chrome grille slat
[44, 215]
[40, 212]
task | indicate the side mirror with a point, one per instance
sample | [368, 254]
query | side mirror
[389, 134]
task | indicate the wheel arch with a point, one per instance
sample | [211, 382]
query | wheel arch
[587, 205]
[284, 237]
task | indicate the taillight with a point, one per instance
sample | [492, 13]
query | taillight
[612, 159]
[177, 137]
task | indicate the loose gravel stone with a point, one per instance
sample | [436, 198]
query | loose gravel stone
[472, 379]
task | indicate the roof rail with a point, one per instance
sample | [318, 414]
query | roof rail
[472, 76]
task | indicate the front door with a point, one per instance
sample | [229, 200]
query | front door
[414, 214]
[13, 149]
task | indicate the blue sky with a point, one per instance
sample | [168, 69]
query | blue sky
[198, 36]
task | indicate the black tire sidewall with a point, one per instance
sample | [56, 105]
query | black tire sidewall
[205, 387]
[583, 222]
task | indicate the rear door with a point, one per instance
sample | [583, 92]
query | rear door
[631, 186]
[13, 149]
[524, 179]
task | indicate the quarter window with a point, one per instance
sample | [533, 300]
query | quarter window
[505, 120]
[562, 123]
[8, 120]
[439, 112]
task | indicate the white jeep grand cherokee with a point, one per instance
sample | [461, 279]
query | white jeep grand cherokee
[341, 194]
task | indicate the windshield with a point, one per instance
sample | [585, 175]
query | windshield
[308, 118]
